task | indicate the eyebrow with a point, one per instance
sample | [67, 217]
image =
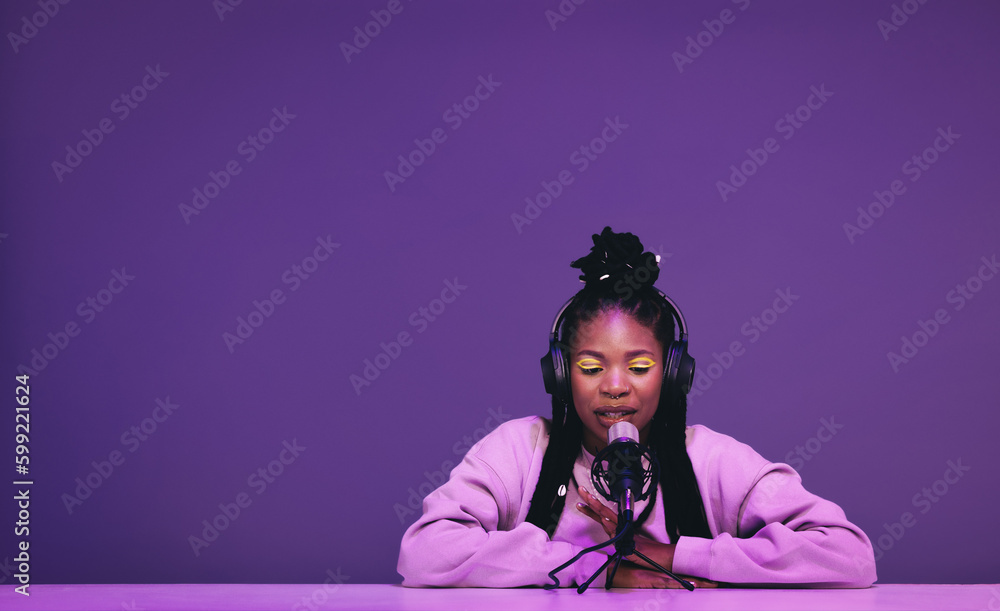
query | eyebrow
[630, 354]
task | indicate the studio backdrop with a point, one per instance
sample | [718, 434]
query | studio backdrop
[269, 269]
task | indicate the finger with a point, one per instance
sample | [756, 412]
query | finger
[639, 577]
[698, 582]
[586, 495]
[586, 510]
[597, 506]
[672, 584]
[649, 577]
[608, 526]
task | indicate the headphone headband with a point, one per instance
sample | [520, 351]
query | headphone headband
[678, 372]
[674, 311]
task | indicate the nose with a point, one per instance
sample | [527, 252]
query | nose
[614, 384]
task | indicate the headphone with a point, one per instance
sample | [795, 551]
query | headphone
[678, 371]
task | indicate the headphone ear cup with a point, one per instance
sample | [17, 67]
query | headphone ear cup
[669, 371]
[685, 369]
[555, 373]
[548, 373]
[679, 372]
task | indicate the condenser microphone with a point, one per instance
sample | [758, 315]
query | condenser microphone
[625, 471]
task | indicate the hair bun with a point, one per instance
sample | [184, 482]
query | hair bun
[614, 257]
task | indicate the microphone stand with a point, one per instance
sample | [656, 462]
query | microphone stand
[618, 474]
[624, 541]
[625, 546]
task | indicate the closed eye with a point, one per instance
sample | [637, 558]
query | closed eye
[589, 366]
[641, 365]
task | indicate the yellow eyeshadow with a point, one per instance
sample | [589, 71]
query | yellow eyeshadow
[588, 363]
[642, 362]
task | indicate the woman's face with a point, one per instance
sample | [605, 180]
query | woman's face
[616, 369]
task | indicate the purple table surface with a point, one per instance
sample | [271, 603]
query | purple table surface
[298, 597]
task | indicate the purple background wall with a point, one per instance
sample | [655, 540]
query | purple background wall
[208, 82]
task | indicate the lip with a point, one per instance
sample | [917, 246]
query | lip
[606, 420]
[607, 409]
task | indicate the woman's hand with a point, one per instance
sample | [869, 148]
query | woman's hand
[635, 572]
[660, 553]
[597, 511]
[630, 575]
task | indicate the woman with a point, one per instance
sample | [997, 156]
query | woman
[518, 505]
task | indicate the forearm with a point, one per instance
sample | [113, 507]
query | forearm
[823, 557]
[660, 553]
[445, 553]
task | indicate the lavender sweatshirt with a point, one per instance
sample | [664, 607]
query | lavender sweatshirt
[766, 528]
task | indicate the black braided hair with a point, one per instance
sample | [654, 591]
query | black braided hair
[619, 276]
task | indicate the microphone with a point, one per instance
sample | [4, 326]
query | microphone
[625, 471]
[619, 473]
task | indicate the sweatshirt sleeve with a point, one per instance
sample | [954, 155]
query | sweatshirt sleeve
[778, 532]
[471, 532]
